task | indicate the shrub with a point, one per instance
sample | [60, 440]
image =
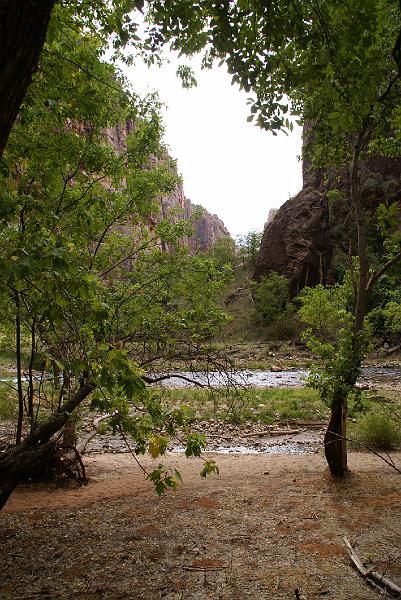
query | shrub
[8, 403]
[322, 309]
[271, 296]
[378, 431]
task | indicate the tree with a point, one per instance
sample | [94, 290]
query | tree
[86, 284]
[270, 295]
[321, 309]
[248, 247]
[223, 252]
[23, 27]
[336, 66]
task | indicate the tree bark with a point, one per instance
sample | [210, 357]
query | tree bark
[23, 27]
[21, 461]
[335, 439]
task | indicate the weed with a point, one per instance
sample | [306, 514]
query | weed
[8, 403]
[378, 431]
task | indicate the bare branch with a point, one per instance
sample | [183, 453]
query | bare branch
[375, 276]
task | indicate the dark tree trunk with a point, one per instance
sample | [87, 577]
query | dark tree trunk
[28, 457]
[335, 444]
[23, 26]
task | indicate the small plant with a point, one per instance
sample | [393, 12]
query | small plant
[378, 431]
[8, 403]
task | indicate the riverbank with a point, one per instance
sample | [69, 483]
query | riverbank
[266, 526]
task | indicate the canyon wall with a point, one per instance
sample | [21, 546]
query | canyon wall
[307, 230]
[207, 227]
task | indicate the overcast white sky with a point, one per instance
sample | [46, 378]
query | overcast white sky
[229, 166]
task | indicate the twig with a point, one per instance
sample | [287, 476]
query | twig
[169, 376]
[204, 569]
[377, 579]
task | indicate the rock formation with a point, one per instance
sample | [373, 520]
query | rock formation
[207, 228]
[307, 230]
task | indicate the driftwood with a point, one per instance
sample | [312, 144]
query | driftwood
[378, 579]
[308, 424]
[204, 569]
[81, 447]
[271, 432]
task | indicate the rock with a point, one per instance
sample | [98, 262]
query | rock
[207, 228]
[299, 242]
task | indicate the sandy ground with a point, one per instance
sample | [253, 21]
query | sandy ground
[266, 526]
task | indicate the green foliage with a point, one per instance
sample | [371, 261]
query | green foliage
[223, 252]
[99, 295]
[323, 309]
[8, 402]
[164, 479]
[248, 246]
[194, 444]
[209, 467]
[270, 295]
[388, 218]
[392, 316]
[329, 60]
[378, 431]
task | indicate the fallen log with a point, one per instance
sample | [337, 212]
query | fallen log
[81, 446]
[308, 424]
[272, 432]
[378, 579]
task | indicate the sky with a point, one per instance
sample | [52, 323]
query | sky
[229, 166]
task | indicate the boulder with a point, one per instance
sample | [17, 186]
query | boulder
[296, 243]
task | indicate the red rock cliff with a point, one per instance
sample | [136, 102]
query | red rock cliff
[207, 228]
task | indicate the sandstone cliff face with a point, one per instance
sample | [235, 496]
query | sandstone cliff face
[207, 228]
[296, 243]
[299, 242]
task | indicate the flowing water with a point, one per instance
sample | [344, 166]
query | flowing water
[372, 376]
[272, 379]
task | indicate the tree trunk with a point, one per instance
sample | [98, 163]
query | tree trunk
[25, 459]
[335, 440]
[23, 27]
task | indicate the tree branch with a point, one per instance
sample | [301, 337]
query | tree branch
[375, 276]
[169, 376]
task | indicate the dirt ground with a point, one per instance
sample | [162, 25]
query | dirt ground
[266, 526]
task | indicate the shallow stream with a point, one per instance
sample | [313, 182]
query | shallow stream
[276, 379]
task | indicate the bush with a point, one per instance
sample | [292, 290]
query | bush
[270, 296]
[378, 431]
[8, 403]
[322, 309]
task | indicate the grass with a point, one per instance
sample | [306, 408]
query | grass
[254, 404]
[8, 403]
